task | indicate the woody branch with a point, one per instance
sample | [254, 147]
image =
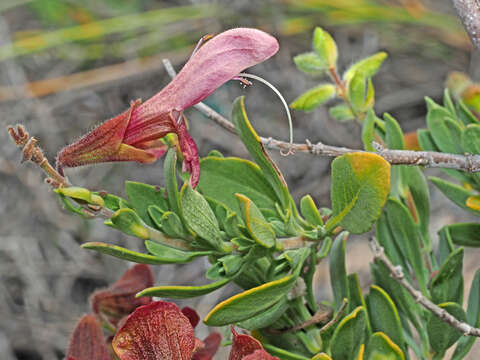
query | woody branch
[467, 162]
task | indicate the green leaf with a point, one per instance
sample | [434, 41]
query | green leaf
[448, 103]
[381, 347]
[127, 221]
[223, 177]
[349, 335]
[313, 98]
[182, 292]
[113, 202]
[471, 139]
[357, 91]
[172, 255]
[402, 299]
[360, 186]
[321, 356]
[465, 234]
[338, 271]
[407, 238]
[199, 217]
[260, 230]
[310, 63]
[249, 303]
[384, 316]
[368, 66]
[341, 112]
[458, 194]
[368, 130]
[445, 244]
[356, 297]
[325, 47]
[447, 284]
[310, 212]
[141, 196]
[473, 318]
[445, 132]
[464, 114]
[394, 134]
[170, 173]
[129, 255]
[425, 140]
[168, 222]
[254, 146]
[266, 317]
[80, 194]
[441, 334]
[282, 353]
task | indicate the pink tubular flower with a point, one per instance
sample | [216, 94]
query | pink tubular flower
[134, 135]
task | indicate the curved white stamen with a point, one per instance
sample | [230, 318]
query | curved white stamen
[276, 91]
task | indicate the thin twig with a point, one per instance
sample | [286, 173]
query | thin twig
[336, 318]
[469, 13]
[396, 272]
[468, 163]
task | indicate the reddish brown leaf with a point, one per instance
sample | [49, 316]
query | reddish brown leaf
[87, 341]
[210, 347]
[243, 345]
[119, 299]
[155, 331]
[192, 315]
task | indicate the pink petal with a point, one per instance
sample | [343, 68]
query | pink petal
[155, 331]
[216, 62]
[87, 341]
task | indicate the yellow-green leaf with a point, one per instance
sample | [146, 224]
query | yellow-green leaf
[183, 292]
[381, 347]
[360, 186]
[313, 97]
[325, 47]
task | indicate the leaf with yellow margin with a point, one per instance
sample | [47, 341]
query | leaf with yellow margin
[360, 186]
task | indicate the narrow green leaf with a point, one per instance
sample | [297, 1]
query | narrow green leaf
[182, 292]
[349, 335]
[141, 196]
[199, 217]
[381, 347]
[465, 234]
[445, 132]
[357, 90]
[313, 98]
[407, 239]
[170, 173]
[473, 318]
[254, 146]
[458, 194]
[127, 221]
[360, 186]
[441, 334]
[394, 134]
[447, 284]
[425, 140]
[470, 139]
[310, 212]
[338, 271]
[445, 244]
[266, 317]
[464, 114]
[129, 255]
[282, 353]
[172, 255]
[368, 130]
[260, 230]
[384, 316]
[249, 303]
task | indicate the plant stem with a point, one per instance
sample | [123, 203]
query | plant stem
[396, 272]
[468, 163]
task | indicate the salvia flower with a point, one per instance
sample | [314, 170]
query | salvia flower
[134, 135]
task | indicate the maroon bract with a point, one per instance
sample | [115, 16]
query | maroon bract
[192, 315]
[155, 331]
[119, 300]
[134, 135]
[247, 347]
[87, 341]
[210, 347]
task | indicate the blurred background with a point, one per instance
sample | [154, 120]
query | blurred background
[67, 65]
